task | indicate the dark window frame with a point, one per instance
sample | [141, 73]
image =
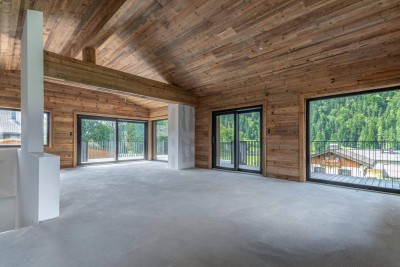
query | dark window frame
[307, 145]
[236, 113]
[116, 120]
[47, 144]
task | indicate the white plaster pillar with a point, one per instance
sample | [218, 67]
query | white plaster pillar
[181, 133]
[32, 83]
[38, 196]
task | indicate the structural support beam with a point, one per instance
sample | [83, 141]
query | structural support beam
[181, 136]
[89, 54]
[39, 173]
[101, 26]
[65, 70]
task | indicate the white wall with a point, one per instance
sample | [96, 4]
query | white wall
[8, 188]
[181, 134]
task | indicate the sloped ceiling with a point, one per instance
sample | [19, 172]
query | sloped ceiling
[209, 46]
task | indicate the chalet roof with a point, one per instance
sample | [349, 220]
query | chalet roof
[364, 156]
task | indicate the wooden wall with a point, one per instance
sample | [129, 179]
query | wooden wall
[283, 95]
[64, 103]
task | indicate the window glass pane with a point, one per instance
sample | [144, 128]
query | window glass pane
[131, 143]
[97, 140]
[355, 139]
[249, 141]
[225, 140]
[10, 127]
[46, 129]
[161, 132]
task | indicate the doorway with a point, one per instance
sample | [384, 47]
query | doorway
[102, 139]
[237, 139]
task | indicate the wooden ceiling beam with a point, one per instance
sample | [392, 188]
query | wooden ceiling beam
[65, 70]
[102, 25]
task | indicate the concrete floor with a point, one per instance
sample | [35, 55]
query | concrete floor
[142, 214]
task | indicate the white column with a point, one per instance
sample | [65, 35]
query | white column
[181, 133]
[32, 83]
[38, 195]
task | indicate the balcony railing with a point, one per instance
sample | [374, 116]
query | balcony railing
[362, 159]
[94, 150]
[249, 152]
[162, 148]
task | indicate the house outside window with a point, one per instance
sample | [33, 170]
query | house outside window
[10, 127]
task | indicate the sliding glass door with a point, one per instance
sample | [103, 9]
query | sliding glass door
[98, 139]
[131, 140]
[237, 139]
[160, 138]
[249, 140]
[110, 139]
[224, 140]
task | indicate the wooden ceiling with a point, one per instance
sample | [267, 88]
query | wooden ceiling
[209, 47]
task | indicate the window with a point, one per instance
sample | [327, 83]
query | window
[10, 127]
[236, 139]
[160, 144]
[360, 132]
[14, 115]
[106, 139]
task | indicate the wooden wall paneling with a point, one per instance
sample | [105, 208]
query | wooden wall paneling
[285, 111]
[64, 103]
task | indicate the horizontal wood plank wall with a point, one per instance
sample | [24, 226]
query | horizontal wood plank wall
[63, 103]
[283, 95]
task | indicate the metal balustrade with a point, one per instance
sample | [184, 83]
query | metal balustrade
[366, 163]
[249, 152]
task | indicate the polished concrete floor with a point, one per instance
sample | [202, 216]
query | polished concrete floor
[142, 214]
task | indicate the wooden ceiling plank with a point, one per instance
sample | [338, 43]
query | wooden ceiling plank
[94, 18]
[350, 33]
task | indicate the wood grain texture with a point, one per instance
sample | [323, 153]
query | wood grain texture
[89, 54]
[67, 70]
[285, 110]
[209, 46]
[64, 103]
[228, 53]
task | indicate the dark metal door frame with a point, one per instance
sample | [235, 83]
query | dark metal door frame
[116, 120]
[235, 113]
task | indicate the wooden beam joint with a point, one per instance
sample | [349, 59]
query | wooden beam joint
[89, 54]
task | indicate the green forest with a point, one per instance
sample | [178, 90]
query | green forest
[249, 127]
[104, 131]
[367, 117]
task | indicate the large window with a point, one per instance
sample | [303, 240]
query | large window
[10, 127]
[160, 146]
[110, 139]
[354, 140]
[237, 139]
